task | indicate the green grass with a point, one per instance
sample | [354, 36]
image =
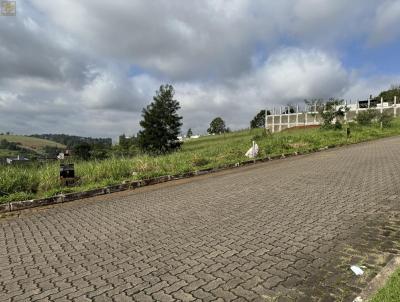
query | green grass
[27, 182]
[391, 291]
[6, 153]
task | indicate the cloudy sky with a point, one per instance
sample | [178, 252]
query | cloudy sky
[89, 67]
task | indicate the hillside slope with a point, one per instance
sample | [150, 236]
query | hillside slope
[31, 143]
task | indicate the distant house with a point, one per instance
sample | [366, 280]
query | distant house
[15, 160]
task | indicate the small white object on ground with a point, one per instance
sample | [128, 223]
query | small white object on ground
[358, 299]
[357, 270]
[253, 151]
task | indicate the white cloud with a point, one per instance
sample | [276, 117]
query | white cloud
[362, 88]
[113, 91]
[288, 76]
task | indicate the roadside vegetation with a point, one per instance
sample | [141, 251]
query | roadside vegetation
[391, 291]
[157, 151]
[42, 180]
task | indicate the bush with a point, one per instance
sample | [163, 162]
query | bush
[366, 117]
[385, 119]
[338, 125]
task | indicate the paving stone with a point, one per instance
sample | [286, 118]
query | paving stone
[287, 229]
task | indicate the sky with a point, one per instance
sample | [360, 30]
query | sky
[89, 67]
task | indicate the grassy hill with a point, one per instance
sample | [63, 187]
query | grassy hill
[29, 143]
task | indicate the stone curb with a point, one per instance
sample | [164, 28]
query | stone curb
[27, 204]
[379, 280]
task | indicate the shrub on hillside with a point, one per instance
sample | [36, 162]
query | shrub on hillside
[333, 110]
[385, 119]
[366, 117]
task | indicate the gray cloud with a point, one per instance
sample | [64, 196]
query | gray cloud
[386, 22]
[89, 67]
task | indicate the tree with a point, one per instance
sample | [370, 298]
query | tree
[82, 150]
[189, 133]
[330, 111]
[217, 126]
[161, 123]
[388, 95]
[126, 143]
[259, 120]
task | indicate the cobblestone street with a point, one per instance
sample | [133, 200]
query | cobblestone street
[286, 230]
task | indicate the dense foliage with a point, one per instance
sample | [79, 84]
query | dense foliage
[5, 144]
[332, 114]
[388, 95]
[217, 126]
[259, 120]
[366, 117]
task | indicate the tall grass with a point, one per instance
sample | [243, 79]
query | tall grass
[25, 182]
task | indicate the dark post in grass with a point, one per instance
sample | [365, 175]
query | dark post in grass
[67, 175]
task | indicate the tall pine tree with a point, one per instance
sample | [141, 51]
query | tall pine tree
[161, 123]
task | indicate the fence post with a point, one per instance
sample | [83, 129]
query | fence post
[395, 106]
[345, 111]
[288, 117]
[305, 118]
[315, 114]
[297, 115]
[273, 120]
[381, 104]
[280, 119]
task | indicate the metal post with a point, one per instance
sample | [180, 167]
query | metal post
[381, 104]
[297, 115]
[288, 117]
[280, 119]
[345, 112]
[395, 106]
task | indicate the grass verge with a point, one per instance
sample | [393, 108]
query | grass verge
[36, 181]
[391, 291]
